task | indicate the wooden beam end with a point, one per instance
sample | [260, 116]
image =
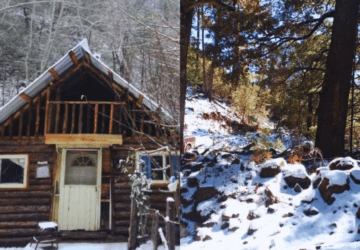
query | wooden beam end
[25, 97]
[73, 57]
[54, 73]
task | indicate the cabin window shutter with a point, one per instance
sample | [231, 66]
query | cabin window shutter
[175, 162]
[147, 161]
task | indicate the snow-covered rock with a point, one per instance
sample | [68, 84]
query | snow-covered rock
[335, 181]
[272, 167]
[343, 164]
[355, 175]
[296, 174]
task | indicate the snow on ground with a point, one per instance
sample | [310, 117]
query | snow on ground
[237, 216]
[87, 246]
[208, 132]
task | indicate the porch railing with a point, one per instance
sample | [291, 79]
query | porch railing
[76, 117]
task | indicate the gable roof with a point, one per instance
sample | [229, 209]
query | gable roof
[62, 66]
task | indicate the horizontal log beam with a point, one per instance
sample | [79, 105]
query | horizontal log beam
[4, 233]
[87, 102]
[24, 217]
[122, 198]
[121, 230]
[119, 223]
[31, 201]
[23, 209]
[121, 215]
[23, 194]
[16, 241]
[18, 224]
[122, 185]
[83, 139]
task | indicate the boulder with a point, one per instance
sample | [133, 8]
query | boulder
[355, 176]
[297, 188]
[311, 211]
[271, 167]
[189, 156]
[192, 181]
[196, 216]
[225, 225]
[296, 174]
[206, 193]
[334, 182]
[358, 213]
[316, 182]
[193, 166]
[233, 229]
[207, 237]
[342, 164]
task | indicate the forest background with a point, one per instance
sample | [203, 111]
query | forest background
[293, 62]
[137, 39]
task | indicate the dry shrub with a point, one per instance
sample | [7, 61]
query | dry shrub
[260, 156]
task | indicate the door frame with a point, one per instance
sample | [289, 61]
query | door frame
[98, 181]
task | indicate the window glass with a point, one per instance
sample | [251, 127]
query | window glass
[81, 167]
[13, 170]
[157, 165]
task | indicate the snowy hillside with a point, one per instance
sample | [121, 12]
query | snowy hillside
[228, 202]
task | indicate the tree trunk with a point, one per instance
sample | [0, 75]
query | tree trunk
[334, 97]
[205, 87]
[185, 30]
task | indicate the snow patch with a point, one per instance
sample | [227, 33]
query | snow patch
[295, 170]
[336, 178]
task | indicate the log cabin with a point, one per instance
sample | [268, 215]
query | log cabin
[62, 140]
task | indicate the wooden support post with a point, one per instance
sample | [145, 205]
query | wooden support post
[88, 111]
[155, 231]
[103, 119]
[80, 118]
[134, 220]
[37, 123]
[157, 127]
[170, 226]
[48, 110]
[11, 127]
[21, 121]
[2, 131]
[57, 118]
[142, 123]
[111, 118]
[65, 123]
[49, 117]
[149, 126]
[120, 117]
[133, 122]
[73, 119]
[29, 119]
[96, 113]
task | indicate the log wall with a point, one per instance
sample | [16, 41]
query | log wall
[22, 209]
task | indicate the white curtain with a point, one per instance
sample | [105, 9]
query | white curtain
[18, 161]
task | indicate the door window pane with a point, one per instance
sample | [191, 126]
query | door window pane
[81, 167]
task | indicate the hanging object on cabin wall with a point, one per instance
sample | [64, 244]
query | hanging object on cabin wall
[42, 169]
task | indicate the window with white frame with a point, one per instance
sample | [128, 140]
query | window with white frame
[159, 165]
[13, 171]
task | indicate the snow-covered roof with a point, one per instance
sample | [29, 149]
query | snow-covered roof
[63, 65]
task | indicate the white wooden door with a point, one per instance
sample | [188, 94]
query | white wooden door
[80, 190]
